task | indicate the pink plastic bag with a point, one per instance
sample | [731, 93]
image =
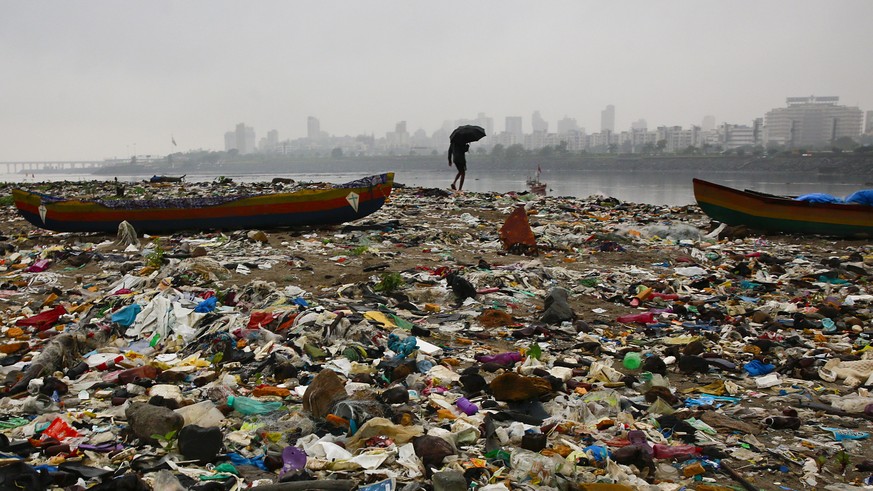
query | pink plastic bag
[39, 266]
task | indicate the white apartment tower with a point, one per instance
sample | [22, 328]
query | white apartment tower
[812, 122]
[607, 119]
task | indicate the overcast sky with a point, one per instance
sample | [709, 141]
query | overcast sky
[89, 79]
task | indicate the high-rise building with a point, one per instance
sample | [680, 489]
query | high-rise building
[272, 142]
[812, 122]
[567, 125]
[868, 127]
[486, 122]
[514, 126]
[737, 135]
[313, 127]
[400, 135]
[241, 139]
[245, 138]
[539, 124]
[708, 123]
[640, 124]
[607, 119]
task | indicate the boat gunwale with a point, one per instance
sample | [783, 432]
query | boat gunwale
[779, 200]
[190, 203]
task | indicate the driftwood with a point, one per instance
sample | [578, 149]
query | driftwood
[827, 408]
[737, 477]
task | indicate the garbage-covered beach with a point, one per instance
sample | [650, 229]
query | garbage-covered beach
[449, 341]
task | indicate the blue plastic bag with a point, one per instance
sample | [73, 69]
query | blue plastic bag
[819, 198]
[403, 347]
[598, 452]
[237, 459]
[755, 368]
[125, 316]
[205, 306]
[863, 197]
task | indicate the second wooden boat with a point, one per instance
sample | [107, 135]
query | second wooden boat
[780, 214]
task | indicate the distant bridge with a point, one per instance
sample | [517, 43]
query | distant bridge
[42, 166]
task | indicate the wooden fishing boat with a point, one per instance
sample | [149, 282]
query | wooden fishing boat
[328, 206]
[771, 213]
[161, 179]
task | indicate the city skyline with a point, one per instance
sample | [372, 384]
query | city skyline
[805, 122]
[95, 79]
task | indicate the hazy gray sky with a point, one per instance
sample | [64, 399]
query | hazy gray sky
[88, 79]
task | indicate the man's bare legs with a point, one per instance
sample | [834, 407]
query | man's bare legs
[460, 175]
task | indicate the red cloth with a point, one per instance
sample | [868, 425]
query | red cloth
[43, 320]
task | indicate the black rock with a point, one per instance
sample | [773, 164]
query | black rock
[557, 308]
[198, 443]
[460, 286]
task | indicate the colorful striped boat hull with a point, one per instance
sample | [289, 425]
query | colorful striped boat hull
[777, 214]
[331, 206]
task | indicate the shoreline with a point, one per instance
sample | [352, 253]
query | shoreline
[851, 167]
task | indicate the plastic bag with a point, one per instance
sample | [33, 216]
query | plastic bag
[59, 429]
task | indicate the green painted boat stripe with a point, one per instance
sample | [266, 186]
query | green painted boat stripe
[734, 217]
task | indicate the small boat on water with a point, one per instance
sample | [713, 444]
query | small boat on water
[161, 179]
[771, 213]
[323, 206]
[535, 185]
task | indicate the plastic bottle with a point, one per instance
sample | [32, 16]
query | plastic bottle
[132, 375]
[109, 364]
[247, 405]
[468, 407]
[632, 360]
[662, 451]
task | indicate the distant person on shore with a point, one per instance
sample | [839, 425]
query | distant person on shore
[119, 189]
[456, 153]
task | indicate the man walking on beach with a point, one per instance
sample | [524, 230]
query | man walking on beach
[456, 153]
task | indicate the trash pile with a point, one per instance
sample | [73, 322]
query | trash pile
[446, 342]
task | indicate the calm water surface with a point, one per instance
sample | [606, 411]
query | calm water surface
[651, 187]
